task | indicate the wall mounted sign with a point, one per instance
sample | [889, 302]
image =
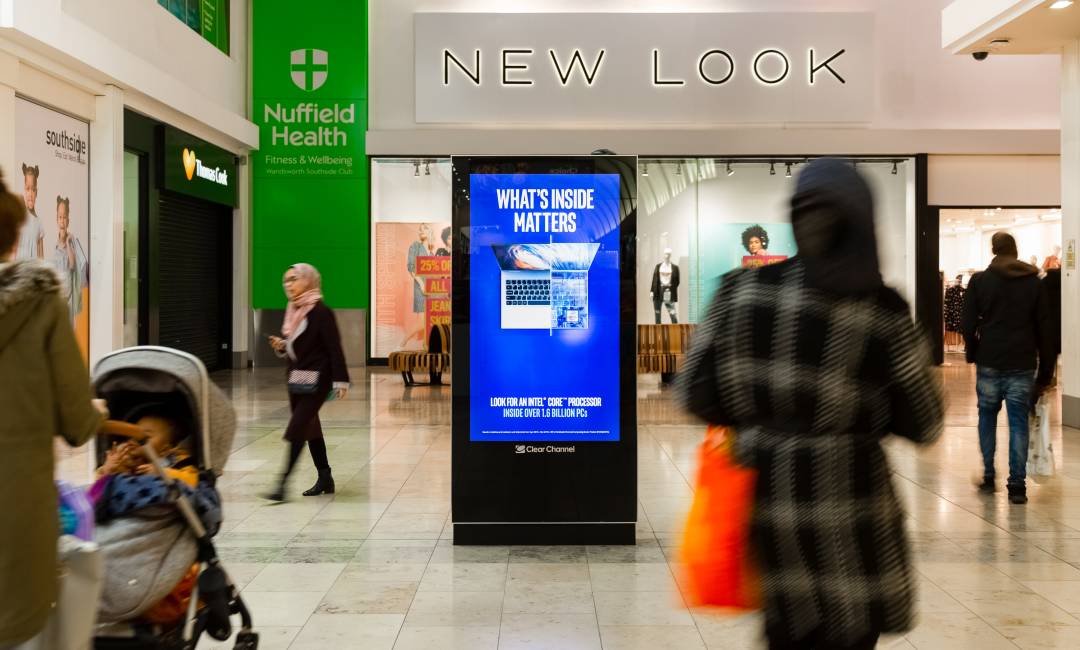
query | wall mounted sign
[197, 168]
[626, 68]
[309, 176]
[1070, 255]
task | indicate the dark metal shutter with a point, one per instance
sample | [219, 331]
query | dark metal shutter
[194, 254]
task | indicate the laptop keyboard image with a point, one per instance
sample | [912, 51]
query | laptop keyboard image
[528, 292]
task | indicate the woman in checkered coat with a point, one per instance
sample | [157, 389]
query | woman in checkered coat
[812, 362]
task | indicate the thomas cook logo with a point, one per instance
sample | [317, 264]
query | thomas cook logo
[189, 163]
[309, 68]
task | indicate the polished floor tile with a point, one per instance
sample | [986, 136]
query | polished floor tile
[374, 566]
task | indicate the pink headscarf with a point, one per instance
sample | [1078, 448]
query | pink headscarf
[298, 309]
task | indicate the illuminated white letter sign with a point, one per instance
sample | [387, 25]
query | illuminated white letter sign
[546, 68]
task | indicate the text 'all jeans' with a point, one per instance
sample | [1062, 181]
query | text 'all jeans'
[1014, 388]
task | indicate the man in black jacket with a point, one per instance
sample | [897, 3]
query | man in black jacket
[1008, 331]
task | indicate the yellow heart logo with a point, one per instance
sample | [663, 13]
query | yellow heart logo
[189, 163]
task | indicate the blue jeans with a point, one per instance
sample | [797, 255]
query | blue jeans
[993, 386]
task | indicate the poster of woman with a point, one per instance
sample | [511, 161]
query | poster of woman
[53, 153]
[724, 247]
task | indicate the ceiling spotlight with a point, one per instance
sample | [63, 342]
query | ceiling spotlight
[772, 169]
[788, 174]
[645, 169]
[894, 170]
[1061, 4]
[416, 169]
[678, 168]
[427, 168]
[730, 171]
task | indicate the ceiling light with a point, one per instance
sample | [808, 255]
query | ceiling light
[772, 169]
[1051, 217]
[645, 169]
[427, 168]
[1061, 4]
[416, 169]
[788, 174]
[678, 168]
[730, 171]
[894, 169]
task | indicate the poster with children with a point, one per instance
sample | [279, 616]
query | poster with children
[52, 170]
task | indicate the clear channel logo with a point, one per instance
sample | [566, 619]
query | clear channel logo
[548, 449]
[309, 68]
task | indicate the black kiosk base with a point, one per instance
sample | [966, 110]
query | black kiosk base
[544, 329]
[546, 534]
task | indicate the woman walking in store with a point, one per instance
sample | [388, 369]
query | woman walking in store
[811, 362]
[316, 370]
[46, 393]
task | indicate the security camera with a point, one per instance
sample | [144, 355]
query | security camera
[980, 56]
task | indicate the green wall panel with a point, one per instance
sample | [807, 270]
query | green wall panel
[310, 174]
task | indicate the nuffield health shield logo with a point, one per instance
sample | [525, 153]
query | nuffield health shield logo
[309, 68]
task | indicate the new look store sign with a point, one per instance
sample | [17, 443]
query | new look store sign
[626, 68]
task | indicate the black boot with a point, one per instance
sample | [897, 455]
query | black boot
[1018, 494]
[278, 494]
[324, 485]
[987, 486]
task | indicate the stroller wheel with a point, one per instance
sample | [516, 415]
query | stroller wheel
[247, 641]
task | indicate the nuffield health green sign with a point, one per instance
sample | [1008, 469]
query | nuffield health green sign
[310, 194]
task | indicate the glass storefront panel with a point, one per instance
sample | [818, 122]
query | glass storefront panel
[131, 248]
[707, 216]
[411, 244]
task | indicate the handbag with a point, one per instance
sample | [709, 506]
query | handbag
[1040, 462]
[303, 382]
[716, 550]
[71, 623]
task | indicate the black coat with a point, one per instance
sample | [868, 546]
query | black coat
[318, 347]
[811, 382]
[658, 291]
[1007, 322]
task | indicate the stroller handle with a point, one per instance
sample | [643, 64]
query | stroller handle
[124, 429]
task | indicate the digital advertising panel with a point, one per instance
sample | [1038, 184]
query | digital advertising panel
[544, 413]
[544, 311]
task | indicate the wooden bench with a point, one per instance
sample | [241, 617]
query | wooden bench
[662, 349]
[434, 359]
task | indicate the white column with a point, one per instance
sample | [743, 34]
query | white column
[107, 224]
[9, 73]
[1070, 230]
[241, 299]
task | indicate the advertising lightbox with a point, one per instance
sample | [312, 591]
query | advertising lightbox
[543, 316]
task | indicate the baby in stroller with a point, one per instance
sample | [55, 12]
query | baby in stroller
[157, 506]
[164, 428]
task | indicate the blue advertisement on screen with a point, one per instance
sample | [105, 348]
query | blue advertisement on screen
[544, 307]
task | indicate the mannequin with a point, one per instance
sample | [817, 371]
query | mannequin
[665, 288]
[1052, 261]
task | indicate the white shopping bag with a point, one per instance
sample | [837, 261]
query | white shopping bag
[1040, 464]
[71, 625]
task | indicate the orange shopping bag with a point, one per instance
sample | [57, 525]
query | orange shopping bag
[716, 545]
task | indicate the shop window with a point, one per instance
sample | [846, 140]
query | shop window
[410, 262]
[707, 216]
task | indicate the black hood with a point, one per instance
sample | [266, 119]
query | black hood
[1009, 267]
[832, 213]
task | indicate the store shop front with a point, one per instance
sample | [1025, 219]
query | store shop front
[721, 122]
[179, 197]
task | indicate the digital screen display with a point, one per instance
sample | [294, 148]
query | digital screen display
[544, 307]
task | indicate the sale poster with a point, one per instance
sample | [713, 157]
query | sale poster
[412, 277]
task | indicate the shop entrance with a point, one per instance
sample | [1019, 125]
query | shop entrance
[964, 235]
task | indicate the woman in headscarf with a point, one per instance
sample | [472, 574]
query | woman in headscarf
[811, 362]
[316, 370]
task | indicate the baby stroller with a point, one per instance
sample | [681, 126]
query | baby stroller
[171, 537]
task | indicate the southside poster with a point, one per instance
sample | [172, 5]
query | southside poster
[52, 169]
[544, 307]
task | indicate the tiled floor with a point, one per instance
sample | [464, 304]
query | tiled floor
[373, 566]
